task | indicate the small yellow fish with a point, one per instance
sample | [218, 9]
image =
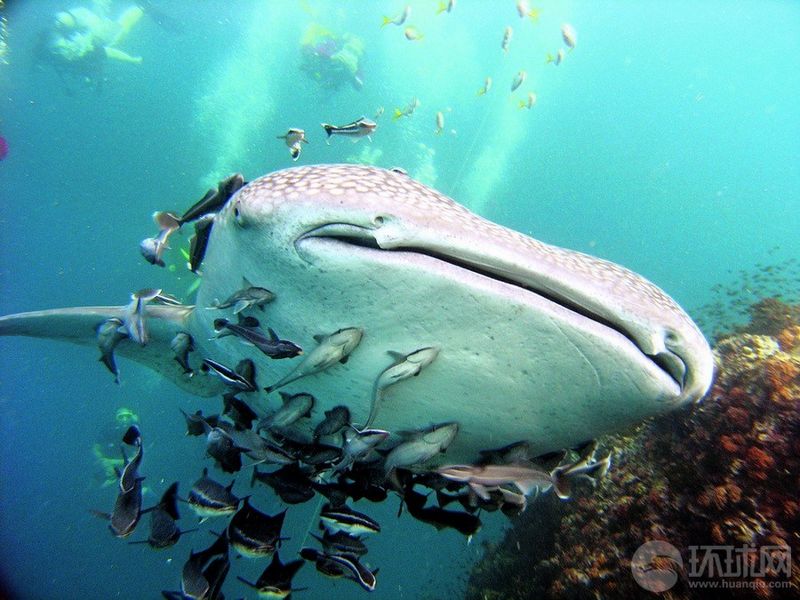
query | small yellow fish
[399, 19]
[519, 79]
[507, 34]
[530, 103]
[413, 34]
[556, 60]
[446, 7]
[486, 86]
[570, 35]
[407, 111]
[526, 11]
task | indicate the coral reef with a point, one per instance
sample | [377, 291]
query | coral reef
[725, 472]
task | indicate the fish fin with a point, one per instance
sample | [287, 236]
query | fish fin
[244, 581]
[240, 306]
[534, 14]
[343, 360]
[285, 396]
[100, 514]
[386, 21]
[319, 338]
[79, 326]
[479, 490]
[442, 7]
[397, 114]
[398, 356]
[273, 336]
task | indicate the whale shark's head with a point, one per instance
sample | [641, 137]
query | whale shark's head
[362, 209]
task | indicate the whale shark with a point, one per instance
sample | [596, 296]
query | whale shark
[535, 343]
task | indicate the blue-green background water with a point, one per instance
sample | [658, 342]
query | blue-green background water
[667, 141]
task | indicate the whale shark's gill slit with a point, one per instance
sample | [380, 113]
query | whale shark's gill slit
[363, 239]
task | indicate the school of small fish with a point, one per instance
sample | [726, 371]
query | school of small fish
[153, 248]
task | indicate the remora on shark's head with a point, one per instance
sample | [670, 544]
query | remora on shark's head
[536, 342]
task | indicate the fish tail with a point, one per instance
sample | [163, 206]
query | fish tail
[397, 114]
[550, 58]
[386, 21]
[534, 14]
[442, 8]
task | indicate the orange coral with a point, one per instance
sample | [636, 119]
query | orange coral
[728, 444]
[738, 417]
[759, 461]
[789, 338]
[781, 375]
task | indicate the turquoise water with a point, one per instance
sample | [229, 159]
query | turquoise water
[668, 140]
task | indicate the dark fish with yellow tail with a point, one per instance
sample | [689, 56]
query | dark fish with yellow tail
[253, 533]
[209, 498]
[276, 580]
[164, 530]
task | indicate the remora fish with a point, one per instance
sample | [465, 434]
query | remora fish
[110, 333]
[294, 407]
[331, 349]
[248, 296]
[229, 376]
[362, 127]
[271, 344]
[199, 241]
[356, 239]
[181, 345]
[213, 200]
[135, 317]
[399, 19]
[342, 563]
[404, 366]
[421, 446]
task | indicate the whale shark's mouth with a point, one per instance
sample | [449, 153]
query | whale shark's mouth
[347, 234]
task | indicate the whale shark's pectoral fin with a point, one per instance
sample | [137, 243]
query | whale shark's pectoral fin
[79, 325]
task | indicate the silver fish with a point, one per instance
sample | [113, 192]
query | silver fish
[294, 407]
[331, 349]
[404, 367]
[249, 296]
[181, 345]
[421, 447]
[110, 333]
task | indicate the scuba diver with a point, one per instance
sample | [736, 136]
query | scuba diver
[107, 449]
[332, 60]
[82, 40]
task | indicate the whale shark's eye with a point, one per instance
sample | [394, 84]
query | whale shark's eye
[238, 216]
[378, 220]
